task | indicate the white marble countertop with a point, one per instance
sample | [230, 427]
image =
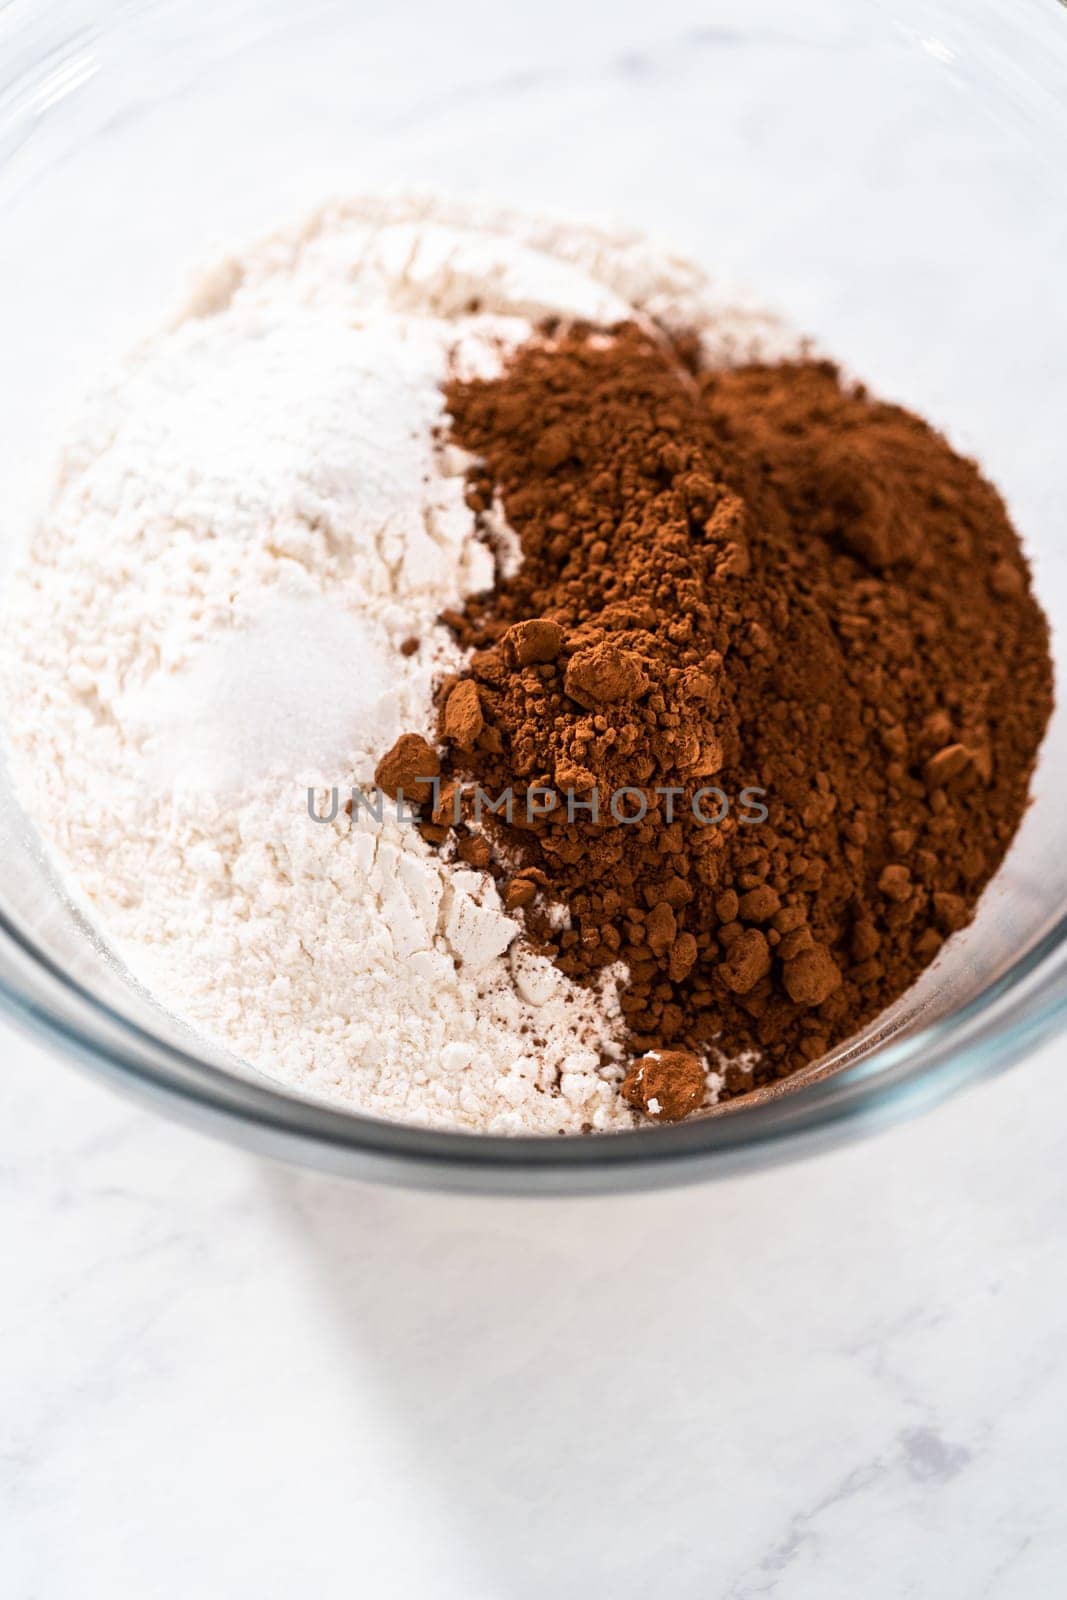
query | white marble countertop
[223, 1377]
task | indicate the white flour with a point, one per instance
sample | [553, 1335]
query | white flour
[257, 515]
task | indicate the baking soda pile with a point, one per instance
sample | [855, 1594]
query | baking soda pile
[259, 521]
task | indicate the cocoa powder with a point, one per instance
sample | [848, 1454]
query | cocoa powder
[408, 769]
[758, 579]
[666, 1084]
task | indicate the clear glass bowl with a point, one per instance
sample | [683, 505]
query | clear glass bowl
[889, 175]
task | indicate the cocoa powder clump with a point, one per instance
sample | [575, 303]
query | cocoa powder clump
[666, 1084]
[405, 771]
[759, 584]
[537, 640]
[463, 721]
[604, 674]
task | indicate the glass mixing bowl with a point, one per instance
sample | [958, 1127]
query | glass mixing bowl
[889, 175]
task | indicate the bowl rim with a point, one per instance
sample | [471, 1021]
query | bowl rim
[905, 1075]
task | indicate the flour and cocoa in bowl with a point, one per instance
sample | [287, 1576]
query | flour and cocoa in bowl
[447, 503]
[759, 580]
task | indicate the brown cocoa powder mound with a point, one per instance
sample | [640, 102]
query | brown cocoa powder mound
[757, 579]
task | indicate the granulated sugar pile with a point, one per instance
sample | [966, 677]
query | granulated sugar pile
[415, 491]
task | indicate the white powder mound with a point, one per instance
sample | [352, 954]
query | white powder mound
[258, 514]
